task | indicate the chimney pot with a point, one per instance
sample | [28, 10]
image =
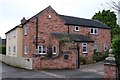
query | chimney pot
[23, 20]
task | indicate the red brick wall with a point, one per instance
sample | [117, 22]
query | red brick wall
[56, 24]
[101, 38]
[110, 71]
[46, 27]
[57, 63]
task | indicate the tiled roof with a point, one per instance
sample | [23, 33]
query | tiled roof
[72, 37]
[69, 20]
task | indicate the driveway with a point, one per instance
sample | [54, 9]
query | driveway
[91, 71]
[86, 71]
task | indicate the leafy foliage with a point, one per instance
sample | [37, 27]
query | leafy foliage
[3, 49]
[98, 56]
[109, 18]
[116, 48]
[49, 52]
[82, 59]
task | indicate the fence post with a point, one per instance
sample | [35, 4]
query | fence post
[110, 68]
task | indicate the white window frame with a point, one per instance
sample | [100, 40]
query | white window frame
[25, 30]
[77, 27]
[105, 47]
[94, 31]
[42, 50]
[84, 45]
[55, 49]
[25, 49]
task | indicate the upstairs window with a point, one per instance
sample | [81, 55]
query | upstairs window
[77, 28]
[54, 49]
[25, 30]
[84, 47]
[94, 31]
[42, 49]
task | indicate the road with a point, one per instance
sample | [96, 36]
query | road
[93, 71]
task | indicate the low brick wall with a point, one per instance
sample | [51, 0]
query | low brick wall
[110, 68]
[56, 63]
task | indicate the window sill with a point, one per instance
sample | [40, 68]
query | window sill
[84, 52]
[25, 53]
[54, 53]
[76, 30]
[42, 53]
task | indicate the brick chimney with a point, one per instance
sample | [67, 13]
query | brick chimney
[23, 20]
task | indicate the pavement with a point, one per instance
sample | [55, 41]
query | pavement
[90, 71]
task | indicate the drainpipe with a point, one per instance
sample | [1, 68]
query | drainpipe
[36, 32]
[78, 59]
[68, 29]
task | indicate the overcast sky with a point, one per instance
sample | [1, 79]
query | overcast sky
[12, 11]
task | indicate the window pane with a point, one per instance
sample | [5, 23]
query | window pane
[105, 47]
[40, 49]
[84, 49]
[76, 28]
[54, 49]
[95, 31]
[44, 49]
[91, 31]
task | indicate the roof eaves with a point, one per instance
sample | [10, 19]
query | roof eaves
[13, 29]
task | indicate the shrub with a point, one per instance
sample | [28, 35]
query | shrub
[3, 50]
[116, 48]
[98, 56]
[82, 59]
[49, 52]
[89, 60]
[104, 55]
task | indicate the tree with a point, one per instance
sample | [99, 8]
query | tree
[114, 5]
[109, 18]
[116, 47]
[116, 51]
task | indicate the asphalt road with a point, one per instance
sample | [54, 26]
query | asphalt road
[92, 71]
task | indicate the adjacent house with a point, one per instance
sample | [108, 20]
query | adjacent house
[64, 37]
[14, 42]
[3, 41]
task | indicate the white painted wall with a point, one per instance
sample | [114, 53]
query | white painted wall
[21, 62]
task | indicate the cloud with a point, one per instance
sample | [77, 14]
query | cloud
[12, 11]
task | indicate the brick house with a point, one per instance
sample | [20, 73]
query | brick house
[44, 33]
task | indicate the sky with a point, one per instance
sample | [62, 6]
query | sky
[12, 11]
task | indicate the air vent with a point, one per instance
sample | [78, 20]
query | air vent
[49, 16]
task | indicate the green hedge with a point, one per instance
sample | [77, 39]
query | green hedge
[99, 56]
